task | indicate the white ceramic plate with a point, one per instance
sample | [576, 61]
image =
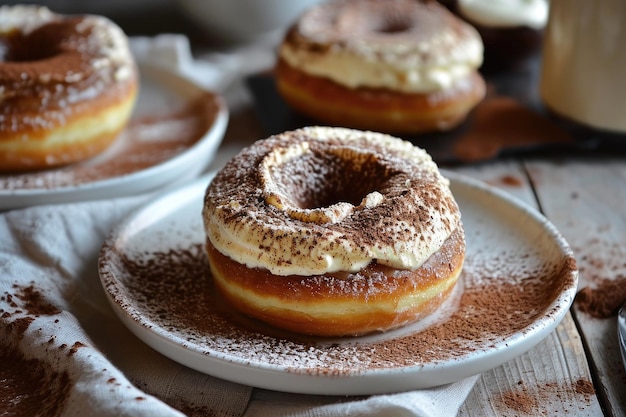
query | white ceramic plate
[517, 284]
[163, 94]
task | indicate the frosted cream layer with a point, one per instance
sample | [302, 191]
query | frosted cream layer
[506, 13]
[402, 45]
[320, 200]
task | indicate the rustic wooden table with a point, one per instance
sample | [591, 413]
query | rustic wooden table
[584, 198]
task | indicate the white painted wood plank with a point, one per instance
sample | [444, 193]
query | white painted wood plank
[507, 175]
[586, 200]
[551, 379]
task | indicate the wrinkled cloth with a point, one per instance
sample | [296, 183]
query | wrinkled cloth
[64, 350]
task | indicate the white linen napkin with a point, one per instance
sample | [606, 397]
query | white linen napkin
[63, 350]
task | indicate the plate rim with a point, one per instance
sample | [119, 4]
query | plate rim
[380, 380]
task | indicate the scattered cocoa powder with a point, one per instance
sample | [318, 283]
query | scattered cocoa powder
[173, 292]
[28, 303]
[146, 142]
[535, 401]
[29, 388]
[75, 347]
[519, 400]
[604, 300]
[33, 302]
[582, 386]
[601, 259]
[511, 180]
[501, 122]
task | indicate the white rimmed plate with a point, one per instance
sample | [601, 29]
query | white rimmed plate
[518, 282]
[162, 99]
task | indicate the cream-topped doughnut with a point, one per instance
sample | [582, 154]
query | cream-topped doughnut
[412, 58]
[67, 87]
[319, 206]
[323, 200]
[406, 46]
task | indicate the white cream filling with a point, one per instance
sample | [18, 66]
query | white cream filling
[332, 254]
[350, 45]
[349, 70]
[329, 309]
[506, 13]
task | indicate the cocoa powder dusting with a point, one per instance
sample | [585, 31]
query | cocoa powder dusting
[29, 388]
[603, 270]
[537, 400]
[519, 401]
[33, 301]
[146, 142]
[18, 327]
[330, 172]
[603, 300]
[511, 180]
[501, 122]
[582, 386]
[174, 291]
[74, 348]
[25, 300]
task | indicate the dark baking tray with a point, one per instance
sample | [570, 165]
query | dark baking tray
[511, 121]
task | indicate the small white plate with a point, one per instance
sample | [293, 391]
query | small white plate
[163, 96]
[518, 282]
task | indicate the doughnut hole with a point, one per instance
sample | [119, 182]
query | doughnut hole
[373, 17]
[393, 24]
[325, 187]
[42, 43]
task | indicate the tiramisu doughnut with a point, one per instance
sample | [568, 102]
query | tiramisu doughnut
[67, 87]
[333, 232]
[396, 66]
